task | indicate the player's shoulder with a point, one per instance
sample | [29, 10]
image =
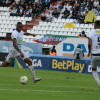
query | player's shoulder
[14, 32]
[91, 33]
[22, 31]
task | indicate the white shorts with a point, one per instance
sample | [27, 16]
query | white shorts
[95, 61]
[14, 53]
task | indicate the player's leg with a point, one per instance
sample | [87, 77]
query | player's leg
[7, 60]
[12, 54]
[94, 62]
[27, 60]
[31, 68]
[4, 64]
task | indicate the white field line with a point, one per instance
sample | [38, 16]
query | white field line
[55, 86]
[50, 91]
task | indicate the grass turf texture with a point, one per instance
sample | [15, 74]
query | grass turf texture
[53, 86]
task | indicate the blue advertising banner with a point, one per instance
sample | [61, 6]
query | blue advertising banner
[89, 67]
[69, 65]
[57, 63]
[38, 63]
[29, 48]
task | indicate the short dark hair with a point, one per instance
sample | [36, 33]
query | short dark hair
[79, 46]
[97, 22]
[83, 32]
[19, 23]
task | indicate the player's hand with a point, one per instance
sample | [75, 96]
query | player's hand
[21, 54]
[88, 55]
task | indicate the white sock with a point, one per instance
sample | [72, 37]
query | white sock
[1, 63]
[96, 77]
[31, 68]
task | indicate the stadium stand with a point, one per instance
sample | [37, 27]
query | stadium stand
[69, 26]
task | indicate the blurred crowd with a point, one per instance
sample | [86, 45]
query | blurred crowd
[67, 9]
[85, 11]
[27, 8]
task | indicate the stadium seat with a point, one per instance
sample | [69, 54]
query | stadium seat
[71, 20]
[98, 17]
[79, 30]
[59, 20]
[81, 25]
[55, 20]
[91, 26]
[26, 18]
[50, 28]
[67, 21]
[40, 32]
[63, 20]
[75, 30]
[3, 17]
[41, 23]
[1, 8]
[29, 18]
[86, 26]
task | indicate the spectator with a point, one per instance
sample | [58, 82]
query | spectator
[40, 7]
[49, 17]
[53, 51]
[96, 3]
[47, 4]
[36, 1]
[56, 6]
[82, 35]
[78, 53]
[63, 16]
[26, 13]
[55, 13]
[74, 14]
[15, 4]
[30, 3]
[60, 7]
[68, 6]
[4, 4]
[51, 10]
[84, 3]
[81, 18]
[53, 2]
[17, 1]
[63, 2]
[66, 13]
[90, 17]
[43, 16]
[13, 11]
[20, 11]
[72, 2]
[35, 12]
[26, 7]
[9, 2]
[77, 7]
[30, 10]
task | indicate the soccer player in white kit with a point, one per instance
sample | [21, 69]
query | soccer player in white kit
[16, 50]
[94, 50]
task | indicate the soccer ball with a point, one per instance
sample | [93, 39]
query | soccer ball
[23, 79]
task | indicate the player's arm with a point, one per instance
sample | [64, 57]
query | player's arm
[16, 47]
[29, 34]
[89, 46]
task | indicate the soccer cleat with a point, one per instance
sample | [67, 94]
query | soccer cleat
[36, 80]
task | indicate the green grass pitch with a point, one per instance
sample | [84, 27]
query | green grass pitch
[53, 86]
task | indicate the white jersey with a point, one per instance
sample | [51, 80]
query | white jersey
[18, 36]
[95, 36]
